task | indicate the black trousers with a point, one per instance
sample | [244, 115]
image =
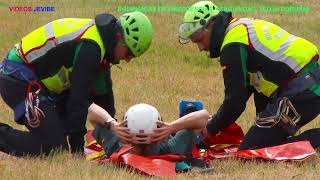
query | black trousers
[41, 140]
[307, 105]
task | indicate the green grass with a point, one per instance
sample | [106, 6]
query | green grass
[166, 74]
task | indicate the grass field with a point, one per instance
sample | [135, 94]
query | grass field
[166, 74]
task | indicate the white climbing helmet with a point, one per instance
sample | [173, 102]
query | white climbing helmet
[142, 118]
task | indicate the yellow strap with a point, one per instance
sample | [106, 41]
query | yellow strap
[95, 155]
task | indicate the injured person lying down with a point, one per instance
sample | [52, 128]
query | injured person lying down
[143, 128]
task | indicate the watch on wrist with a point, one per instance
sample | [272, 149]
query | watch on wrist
[107, 124]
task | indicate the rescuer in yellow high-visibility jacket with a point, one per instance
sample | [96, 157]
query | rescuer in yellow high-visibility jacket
[55, 72]
[258, 57]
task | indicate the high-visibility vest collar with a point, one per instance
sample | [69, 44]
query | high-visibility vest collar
[49, 36]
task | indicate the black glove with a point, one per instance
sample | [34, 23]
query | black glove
[76, 142]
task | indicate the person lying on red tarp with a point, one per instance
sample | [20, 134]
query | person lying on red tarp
[144, 129]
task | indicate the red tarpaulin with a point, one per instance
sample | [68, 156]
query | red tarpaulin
[223, 145]
[152, 167]
[161, 166]
[233, 134]
[296, 151]
[292, 151]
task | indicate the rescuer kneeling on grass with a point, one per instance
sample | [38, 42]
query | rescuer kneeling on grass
[54, 73]
[260, 58]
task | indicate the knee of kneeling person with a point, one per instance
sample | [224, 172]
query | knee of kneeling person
[54, 145]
